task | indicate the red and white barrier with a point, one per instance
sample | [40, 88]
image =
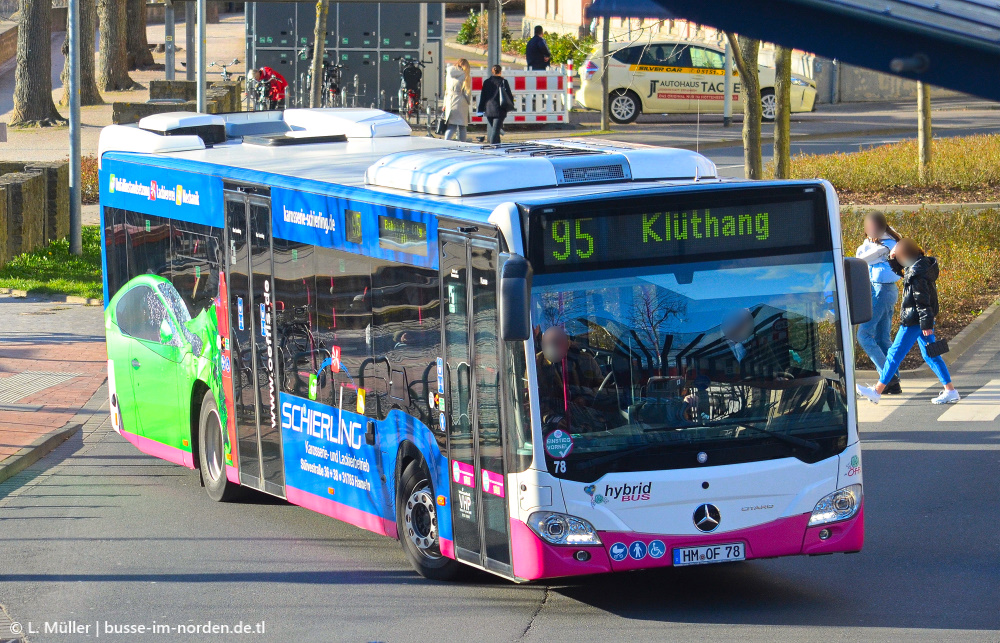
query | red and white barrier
[539, 96]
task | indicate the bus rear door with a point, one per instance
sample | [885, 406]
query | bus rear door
[254, 365]
[475, 436]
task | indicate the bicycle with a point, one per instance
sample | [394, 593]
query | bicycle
[225, 73]
[330, 94]
[258, 96]
[411, 78]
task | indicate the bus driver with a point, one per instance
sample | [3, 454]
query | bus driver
[565, 376]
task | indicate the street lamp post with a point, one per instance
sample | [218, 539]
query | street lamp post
[73, 87]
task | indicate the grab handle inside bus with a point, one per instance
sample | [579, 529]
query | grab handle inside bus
[515, 299]
[859, 290]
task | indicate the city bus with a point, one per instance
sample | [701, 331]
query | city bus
[540, 360]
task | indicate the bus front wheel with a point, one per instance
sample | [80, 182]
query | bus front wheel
[417, 525]
[211, 453]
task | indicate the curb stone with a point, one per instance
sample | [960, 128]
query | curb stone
[59, 299]
[958, 344]
[42, 446]
[918, 207]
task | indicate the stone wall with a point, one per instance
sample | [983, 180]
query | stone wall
[55, 223]
[24, 194]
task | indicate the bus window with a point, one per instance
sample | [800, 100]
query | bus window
[148, 244]
[300, 355]
[115, 241]
[343, 324]
[407, 333]
[195, 257]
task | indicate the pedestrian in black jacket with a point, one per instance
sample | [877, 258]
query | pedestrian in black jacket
[917, 312]
[495, 100]
[536, 52]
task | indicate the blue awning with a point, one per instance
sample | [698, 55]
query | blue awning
[949, 43]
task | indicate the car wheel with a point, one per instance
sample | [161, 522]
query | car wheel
[211, 453]
[624, 107]
[417, 525]
[768, 105]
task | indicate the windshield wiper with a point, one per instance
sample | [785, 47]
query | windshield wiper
[784, 437]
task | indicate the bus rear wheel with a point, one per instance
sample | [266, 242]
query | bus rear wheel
[211, 453]
[416, 520]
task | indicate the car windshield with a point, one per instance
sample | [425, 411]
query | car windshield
[724, 362]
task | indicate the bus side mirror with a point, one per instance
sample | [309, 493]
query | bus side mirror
[859, 290]
[515, 300]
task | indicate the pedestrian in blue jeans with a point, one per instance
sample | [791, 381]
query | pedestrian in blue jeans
[875, 335]
[917, 312]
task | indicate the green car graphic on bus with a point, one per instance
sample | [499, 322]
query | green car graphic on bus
[160, 358]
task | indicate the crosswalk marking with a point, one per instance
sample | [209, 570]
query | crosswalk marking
[868, 412]
[982, 405]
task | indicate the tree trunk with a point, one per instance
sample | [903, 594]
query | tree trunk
[88, 83]
[138, 55]
[319, 43]
[33, 75]
[783, 113]
[745, 51]
[112, 70]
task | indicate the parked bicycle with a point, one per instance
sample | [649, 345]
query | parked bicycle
[258, 95]
[225, 73]
[411, 80]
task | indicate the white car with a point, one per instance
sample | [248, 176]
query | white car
[675, 77]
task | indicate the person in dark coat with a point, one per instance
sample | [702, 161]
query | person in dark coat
[917, 313]
[491, 105]
[536, 52]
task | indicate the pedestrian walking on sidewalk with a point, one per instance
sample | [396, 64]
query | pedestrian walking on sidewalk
[536, 51]
[917, 313]
[495, 100]
[457, 99]
[875, 335]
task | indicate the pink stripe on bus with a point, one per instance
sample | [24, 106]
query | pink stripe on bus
[447, 547]
[232, 474]
[340, 511]
[160, 450]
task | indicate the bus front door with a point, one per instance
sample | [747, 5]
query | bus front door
[254, 368]
[475, 436]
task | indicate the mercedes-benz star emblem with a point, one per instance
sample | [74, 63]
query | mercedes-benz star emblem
[707, 517]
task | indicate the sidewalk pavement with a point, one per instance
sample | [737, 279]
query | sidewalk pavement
[52, 361]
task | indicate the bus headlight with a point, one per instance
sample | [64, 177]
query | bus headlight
[839, 505]
[561, 529]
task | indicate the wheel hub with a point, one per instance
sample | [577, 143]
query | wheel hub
[420, 517]
[769, 106]
[213, 446]
[622, 107]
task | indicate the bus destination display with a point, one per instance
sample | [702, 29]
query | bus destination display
[665, 234]
[402, 235]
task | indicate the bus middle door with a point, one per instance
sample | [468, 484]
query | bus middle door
[475, 435]
[254, 363]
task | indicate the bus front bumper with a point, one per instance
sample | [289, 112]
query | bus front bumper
[535, 559]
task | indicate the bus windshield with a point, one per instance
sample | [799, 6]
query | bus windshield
[677, 366]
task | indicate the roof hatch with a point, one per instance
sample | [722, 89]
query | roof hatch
[479, 169]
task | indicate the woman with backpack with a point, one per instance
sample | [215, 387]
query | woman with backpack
[918, 310]
[457, 97]
[495, 101]
[875, 335]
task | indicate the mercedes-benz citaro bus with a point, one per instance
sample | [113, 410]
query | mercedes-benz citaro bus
[541, 360]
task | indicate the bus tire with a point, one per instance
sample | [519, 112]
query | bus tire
[416, 524]
[768, 105]
[624, 106]
[211, 453]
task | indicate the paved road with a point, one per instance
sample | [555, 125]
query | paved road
[99, 532]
